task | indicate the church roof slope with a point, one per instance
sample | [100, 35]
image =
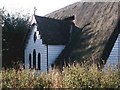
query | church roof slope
[53, 31]
[99, 22]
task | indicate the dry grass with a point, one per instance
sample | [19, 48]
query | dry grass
[75, 76]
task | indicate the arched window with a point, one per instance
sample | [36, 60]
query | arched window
[39, 61]
[34, 58]
[29, 60]
[35, 36]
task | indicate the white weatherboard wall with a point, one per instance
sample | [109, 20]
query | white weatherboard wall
[39, 47]
[114, 56]
[53, 53]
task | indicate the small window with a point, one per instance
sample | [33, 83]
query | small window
[35, 37]
[39, 61]
[34, 58]
[29, 60]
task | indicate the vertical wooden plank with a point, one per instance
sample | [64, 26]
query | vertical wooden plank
[53, 52]
[115, 53]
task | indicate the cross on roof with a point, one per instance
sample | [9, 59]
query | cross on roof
[35, 10]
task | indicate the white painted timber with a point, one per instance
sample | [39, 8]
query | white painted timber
[32, 20]
[114, 56]
[39, 47]
[53, 53]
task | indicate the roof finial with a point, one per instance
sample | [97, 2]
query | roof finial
[35, 10]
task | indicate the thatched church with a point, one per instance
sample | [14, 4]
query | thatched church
[83, 31]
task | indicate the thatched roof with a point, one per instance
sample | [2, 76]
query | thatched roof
[99, 24]
[53, 32]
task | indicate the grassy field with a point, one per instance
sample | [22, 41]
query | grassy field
[75, 76]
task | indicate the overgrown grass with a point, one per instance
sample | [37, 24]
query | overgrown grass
[75, 76]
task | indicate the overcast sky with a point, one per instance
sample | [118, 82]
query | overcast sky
[43, 6]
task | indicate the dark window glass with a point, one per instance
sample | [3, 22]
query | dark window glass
[35, 37]
[29, 60]
[34, 58]
[39, 61]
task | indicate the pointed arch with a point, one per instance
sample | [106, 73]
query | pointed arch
[34, 58]
[35, 37]
[39, 61]
[30, 60]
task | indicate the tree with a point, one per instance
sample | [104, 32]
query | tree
[14, 29]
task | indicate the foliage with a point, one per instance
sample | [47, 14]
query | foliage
[75, 76]
[14, 29]
[22, 79]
